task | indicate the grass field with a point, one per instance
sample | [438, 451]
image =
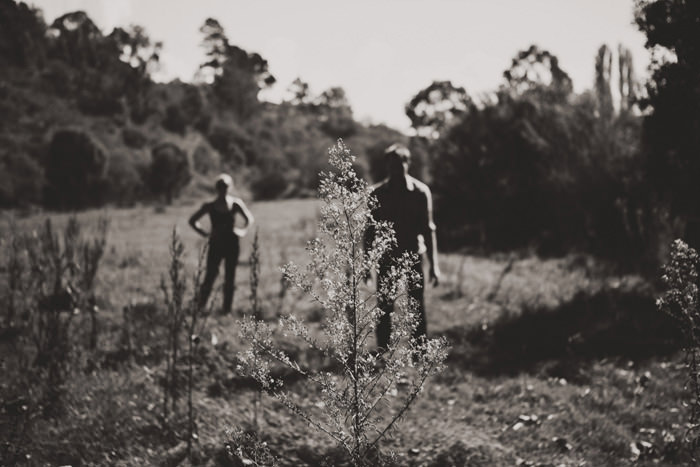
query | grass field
[553, 361]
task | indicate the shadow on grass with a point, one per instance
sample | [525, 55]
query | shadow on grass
[610, 323]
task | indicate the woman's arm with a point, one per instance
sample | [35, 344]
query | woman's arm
[194, 220]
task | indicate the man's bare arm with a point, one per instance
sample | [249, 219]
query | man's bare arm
[247, 217]
[431, 241]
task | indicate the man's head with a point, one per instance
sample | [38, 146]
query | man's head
[223, 183]
[398, 159]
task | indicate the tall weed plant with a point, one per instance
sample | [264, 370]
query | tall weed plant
[370, 391]
[50, 283]
[184, 318]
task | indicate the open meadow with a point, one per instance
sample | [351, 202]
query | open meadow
[552, 361]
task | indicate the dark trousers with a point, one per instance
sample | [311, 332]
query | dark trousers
[226, 249]
[387, 306]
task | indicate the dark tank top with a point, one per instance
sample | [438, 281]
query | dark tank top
[222, 222]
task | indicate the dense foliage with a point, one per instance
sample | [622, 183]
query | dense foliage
[671, 129]
[536, 165]
[532, 164]
[69, 76]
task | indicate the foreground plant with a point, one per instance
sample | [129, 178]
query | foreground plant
[51, 276]
[682, 302]
[355, 397]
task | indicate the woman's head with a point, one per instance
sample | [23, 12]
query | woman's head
[224, 182]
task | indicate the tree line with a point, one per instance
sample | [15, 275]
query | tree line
[611, 170]
[532, 164]
[85, 124]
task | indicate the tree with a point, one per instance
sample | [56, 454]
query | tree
[234, 144]
[75, 170]
[134, 48]
[215, 44]
[672, 130]
[538, 70]
[436, 107]
[299, 92]
[236, 75]
[335, 113]
[603, 91]
[22, 31]
[628, 86]
[76, 40]
[527, 171]
[170, 171]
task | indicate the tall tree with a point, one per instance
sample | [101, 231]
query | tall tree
[299, 92]
[538, 70]
[76, 40]
[215, 44]
[22, 32]
[335, 113]
[627, 81]
[672, 130]
[135, 49]
[436, 107]
[237, 76]
[603, 75]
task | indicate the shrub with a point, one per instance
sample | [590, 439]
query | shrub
[682, 301]
[51, 279]
[169, 172]
[233, 143]
[21, 179]
[75, 170]
[351, 397]
[174, 121]
[205, 160]
[124, 184]
[134, 138]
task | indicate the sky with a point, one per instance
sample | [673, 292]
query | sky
[382, 52]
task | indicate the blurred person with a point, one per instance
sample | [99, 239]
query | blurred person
[407, 203]
[223, 238]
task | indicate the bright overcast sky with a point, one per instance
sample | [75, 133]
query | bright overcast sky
[380, 51]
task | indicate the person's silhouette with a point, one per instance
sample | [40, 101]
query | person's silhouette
[223, 238]
[407, 203]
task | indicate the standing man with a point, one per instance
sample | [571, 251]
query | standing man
[407, 203]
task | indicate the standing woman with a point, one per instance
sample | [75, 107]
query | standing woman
[223, 238]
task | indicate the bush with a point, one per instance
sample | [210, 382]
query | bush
[124, 182]
[174, 120]
[21, 179]
[75, 171]
[234, 144]
[51, 279]
[134, 138]
[169, 172]
[205, 160]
